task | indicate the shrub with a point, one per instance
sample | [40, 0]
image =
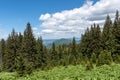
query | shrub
[93, 58]
[104, 58]
[89, 65]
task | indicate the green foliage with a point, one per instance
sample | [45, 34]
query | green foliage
[116, 33]
[91, 41]
[2, 52]
[104, 58]
[80, 58]
[77, 72]
[89, 65]
[116, 58]
[93, 58]
[27, 52]
[40, 58]
[53, 55]
[20, 66]
[10, 52]
[107, 35]
[73, 48]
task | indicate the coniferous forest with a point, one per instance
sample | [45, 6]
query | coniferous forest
[23, 53]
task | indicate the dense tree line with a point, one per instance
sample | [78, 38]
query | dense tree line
[23, 53]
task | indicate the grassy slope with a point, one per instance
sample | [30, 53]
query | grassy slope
[70, 73]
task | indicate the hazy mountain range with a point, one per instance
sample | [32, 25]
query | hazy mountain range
[48, 42]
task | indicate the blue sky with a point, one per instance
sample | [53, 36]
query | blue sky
[42, 13]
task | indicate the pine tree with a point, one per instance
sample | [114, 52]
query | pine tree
[20, 64]
[95, 44]
[116, 32]
[48, 60]
[107, 35]
[19, 57]
[60, 53]
[54, 55]
[28, 50]
[11, 52]
[74, 54]
[2, 52]
[91, 41]
[85, 41]
[74, 48]
[40, 56]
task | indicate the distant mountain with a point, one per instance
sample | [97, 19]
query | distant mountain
[48, 42]
[62, 41]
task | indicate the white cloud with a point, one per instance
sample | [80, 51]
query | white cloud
[48, 31]
[45, 17]
[69, 23]
[34, 28]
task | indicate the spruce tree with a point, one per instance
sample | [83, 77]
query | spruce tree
[95, 43]
[28, 50]
[116, 33]
[19, 57]
[40, 57]
[91, 41]
[85, 41]
[74, 48]
[74, 54]
[11, 52]
[53, 55]
[107, 35]
[2, 52]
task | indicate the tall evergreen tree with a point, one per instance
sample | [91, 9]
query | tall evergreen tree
[19, 57]
[91, 41]
[116, 32]
[73, 53]
[107, 35]
[11, 52]
[95, 44]
[53, 55]
[74, 48]
[40, 56]
[85, 41]
[28, 50]
[2, 52]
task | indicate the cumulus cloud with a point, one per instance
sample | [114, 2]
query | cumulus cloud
[45, 17]
[69, 23]
[34, 28]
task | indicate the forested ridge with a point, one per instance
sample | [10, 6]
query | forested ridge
[23, 53]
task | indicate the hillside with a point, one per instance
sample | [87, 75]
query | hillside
[48, 42]
[78, 72]
[62, 41]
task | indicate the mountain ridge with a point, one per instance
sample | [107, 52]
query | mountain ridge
[48, 42]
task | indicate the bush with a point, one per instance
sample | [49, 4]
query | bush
[89, 65]
[93, 58]
[116, 58]
[1, 69]
[104, 58]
